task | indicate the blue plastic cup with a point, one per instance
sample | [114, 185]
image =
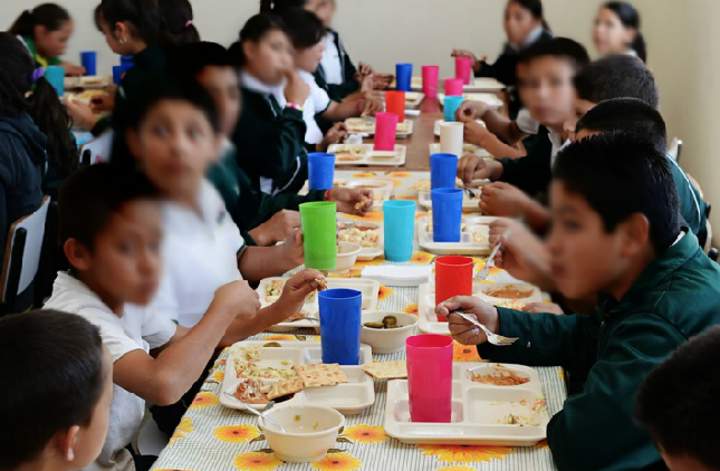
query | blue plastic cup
[88, 59]
[403, 76]
[447, 214]
[128, 60]
[399, 221]
[56, 76]
[340, 321]
[117, 74]
[321, 170]
[450, 107]
[443, 170]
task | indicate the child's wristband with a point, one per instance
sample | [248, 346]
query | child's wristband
[294, 106]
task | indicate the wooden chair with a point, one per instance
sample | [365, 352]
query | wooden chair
[675, 149]
[22, 259]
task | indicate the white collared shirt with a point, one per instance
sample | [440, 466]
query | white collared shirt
[317, 102]
[530, 39]
[526, 123]
[331, 64]
[199, 253]
[558, 144]
[250, 82]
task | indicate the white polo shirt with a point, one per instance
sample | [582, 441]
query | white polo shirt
[331, 61]
[317, 102]
[137, 329]
[199, 252]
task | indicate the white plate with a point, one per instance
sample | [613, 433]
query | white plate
[466, 246]
[350, 398]
[469, 205]
[413, 99]
[366, 126]
[368, 253]
[489, 99]
[363, 154]
[478, 413]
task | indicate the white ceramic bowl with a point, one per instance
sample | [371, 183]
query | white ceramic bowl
[388, 340]
[347, 255]
[310, 431]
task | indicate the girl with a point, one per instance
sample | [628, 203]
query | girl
[179, 21]
[524, 25]
[45, 31]
[31, 107]
[617, 30]
[271, 130]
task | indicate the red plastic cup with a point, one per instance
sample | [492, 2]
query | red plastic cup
[453, 277]
[385, 129]
[453, 87]
[429, 366]
[463, 69]
[430, 78]
[395, 103]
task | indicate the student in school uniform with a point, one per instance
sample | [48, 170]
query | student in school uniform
[617, 31]
[676, 404]
[262, 219]
[45, 31]
[179, 21]
[58, 400]
[655, 287]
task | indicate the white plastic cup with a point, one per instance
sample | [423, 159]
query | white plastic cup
[451, 138]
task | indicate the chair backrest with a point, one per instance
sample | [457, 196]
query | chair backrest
[97, 150]
[675, 149]
[22, 253]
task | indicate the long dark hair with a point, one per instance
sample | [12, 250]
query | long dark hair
[535, 7]
[267, 6]
[143, 16]
[179, 17]
[630, 18]
[43, 105]
[49, 15]
[253, 31]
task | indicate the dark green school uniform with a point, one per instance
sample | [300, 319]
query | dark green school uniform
[693, 208]
[271, 144]
[350, 84]
[248, 207]
[676, 297]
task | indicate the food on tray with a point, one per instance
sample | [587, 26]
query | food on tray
[499, 375]
[525, 414]
[322, 284]
[258, 379]
[363, 203]
[388, 322]
[360, 125]
[363, 234]
[510, 292]
[273, 290]
[386, 369]
[480, 234]
[314, 376]
[404, 127]
[349, 152]
[85, 97]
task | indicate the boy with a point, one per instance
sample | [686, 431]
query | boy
[263, 219]
[56, 400]
[655, 286]
[677, 404]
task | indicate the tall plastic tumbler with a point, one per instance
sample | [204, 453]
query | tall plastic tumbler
[447, 214]
[453, 277]
[399, 222]
[56, 76]
[395, 103]
[443, 170]
[340, 321]
[321, 170]
[403, 76]
[453, 87]
[319, 227]
[385, 131]
[450, 107]
[430, 80]
[429, 366]
[463, 69]
[88, 59]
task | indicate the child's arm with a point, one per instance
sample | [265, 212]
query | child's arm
[504, 199]
[480, 136]
[291, 301]
[256, 263]
[523, 254]
[502, 126]
[72, 70]
[163, 380]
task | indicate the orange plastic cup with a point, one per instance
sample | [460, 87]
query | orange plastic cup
[395, 103]
[453, 277]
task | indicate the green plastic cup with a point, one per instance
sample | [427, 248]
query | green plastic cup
[319, 227]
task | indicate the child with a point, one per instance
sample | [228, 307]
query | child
[617, 31]
[45, 31]
[262, 219]
[271, 130]
[179, 21]
[58, 397]
[525, 25]
[677, 405]
[656, 289]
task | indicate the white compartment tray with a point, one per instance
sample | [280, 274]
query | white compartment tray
[363, 154]
[474, 237]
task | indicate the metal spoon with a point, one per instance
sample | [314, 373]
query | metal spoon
[263, 418]
[483, 274]
[492, 337]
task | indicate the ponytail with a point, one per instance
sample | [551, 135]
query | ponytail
[630, 18]
[275, 6]
[535, 7]
[253, 31]
[48, 15]
[143, 16]
[179, 21]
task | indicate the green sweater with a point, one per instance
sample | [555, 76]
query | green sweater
[676, 297]
[248, 207]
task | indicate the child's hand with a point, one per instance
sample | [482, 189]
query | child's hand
[102, 103]
[72, 70]
[523, 254]
[370, 105]
[298, 288]
[471, 167]
[475, 133]
[382, 81]
[462, 330]
[280, 226]
[292, 250]
[296, 90]
[335, 135]
[236, 299]
[352, 200]
[465, 53]
[503, 199]
[82, 115]
[469, 111]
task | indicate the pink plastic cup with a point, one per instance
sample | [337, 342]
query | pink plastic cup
[430, 78]
[453, 87]
[429, 366]
[463, 69]
[385, 129]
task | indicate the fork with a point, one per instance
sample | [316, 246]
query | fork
[483, 274]
[492, 337]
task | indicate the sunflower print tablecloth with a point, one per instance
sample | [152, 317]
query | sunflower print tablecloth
[211, 437]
